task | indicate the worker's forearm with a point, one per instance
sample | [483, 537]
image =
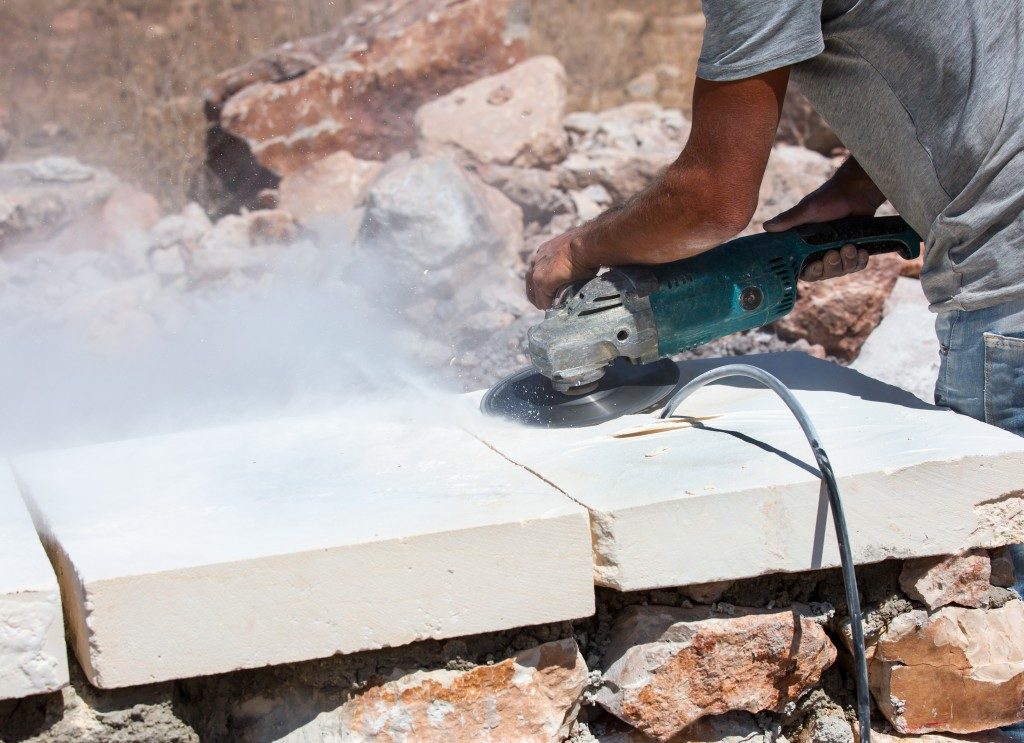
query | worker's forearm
[676, 217]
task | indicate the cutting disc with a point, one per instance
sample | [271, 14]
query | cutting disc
[527, 396]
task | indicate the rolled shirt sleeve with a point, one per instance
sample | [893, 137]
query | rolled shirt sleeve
[744, 38]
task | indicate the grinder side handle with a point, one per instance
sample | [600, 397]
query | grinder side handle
[873, 234]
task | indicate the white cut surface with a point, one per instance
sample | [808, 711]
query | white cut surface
[33, 657]
[242, 546]
[738, 495]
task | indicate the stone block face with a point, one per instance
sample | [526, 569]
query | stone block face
[532, 697]
[953, 579]
[955, 670]
[669, 667]
[916, 480]
[33, 659]
[265, 543]
[511, 118]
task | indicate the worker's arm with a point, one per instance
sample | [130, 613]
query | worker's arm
[850, 192]
[705, 197]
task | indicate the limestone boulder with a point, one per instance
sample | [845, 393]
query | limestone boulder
[327, 188]
[840, 314]
[951, 579]
[510, 118]
[667, 667]
[956, 670]
[532, 697]
[622, 149]
[40, 197]
[357, 87]
[433, 228]
[534, 190]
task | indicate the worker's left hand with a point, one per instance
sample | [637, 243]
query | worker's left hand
[555, 264]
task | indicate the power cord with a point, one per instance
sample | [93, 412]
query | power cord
[839, 520]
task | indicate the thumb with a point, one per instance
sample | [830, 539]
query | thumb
[806, 211]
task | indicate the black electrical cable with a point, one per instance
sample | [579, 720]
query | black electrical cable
[839, 520]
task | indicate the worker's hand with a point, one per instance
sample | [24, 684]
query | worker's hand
[848, 193]
[554, 265]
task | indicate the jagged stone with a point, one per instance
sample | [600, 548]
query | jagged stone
[668, 667]
[356, 88]
[950, 579]
[534, 190]
[622, 149]
[955, 670]
[434, 227]
[327, 188]
[511, 118]
[531, 697]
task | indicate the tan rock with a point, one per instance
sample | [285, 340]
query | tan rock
[955, 670]
[271, 226]
[531, 697]
[511, 118]
[951, 579]
[1003, 574]
[357, 87]
[801, 125]
[674, 39]
[329, 187]
[622, 149]
[839, 314]
[989, 736]
[669, 667]
[912, 268]
[129, 211]
[708, 593]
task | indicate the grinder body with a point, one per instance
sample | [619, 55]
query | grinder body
[647, 313]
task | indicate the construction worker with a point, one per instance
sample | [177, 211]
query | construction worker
[929, 99]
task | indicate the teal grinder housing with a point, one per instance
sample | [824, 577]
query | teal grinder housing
[647, 313]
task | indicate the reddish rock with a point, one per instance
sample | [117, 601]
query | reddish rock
[529, 698]
[669, 667]
[954, 670]
[511, 118]
[950, 579]
[357, 88]
[839, 314]
[271, 226]
[332, 186]
[912, 268]
[128, 211]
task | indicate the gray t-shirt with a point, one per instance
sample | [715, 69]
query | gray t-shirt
[929, 97]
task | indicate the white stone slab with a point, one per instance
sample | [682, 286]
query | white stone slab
[33, 657]
[740, 497]
[236, 547]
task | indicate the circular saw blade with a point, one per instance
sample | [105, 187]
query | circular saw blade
[527, 396]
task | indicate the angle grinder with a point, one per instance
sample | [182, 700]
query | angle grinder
[602, 350]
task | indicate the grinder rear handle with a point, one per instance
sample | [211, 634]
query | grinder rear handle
[874, 234]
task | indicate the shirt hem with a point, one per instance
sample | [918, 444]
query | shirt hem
[727, 72]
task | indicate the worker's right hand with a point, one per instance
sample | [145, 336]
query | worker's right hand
[848, 193]
[554, 265]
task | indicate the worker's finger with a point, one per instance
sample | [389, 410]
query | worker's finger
[813, 271]
[862, 259]
[833, 265]
[849, 255]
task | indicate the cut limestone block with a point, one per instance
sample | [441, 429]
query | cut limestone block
[279, 541]
[33, 658]
[738, 495]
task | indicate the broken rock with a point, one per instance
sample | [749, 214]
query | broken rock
[839, 314]
[356, 88]
[534, 190]
[669, 667]
[956, 670]
[327, 188]
[435, 228]
[1003, 574]
[531, 697]
[951, 579]
[511, 118]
